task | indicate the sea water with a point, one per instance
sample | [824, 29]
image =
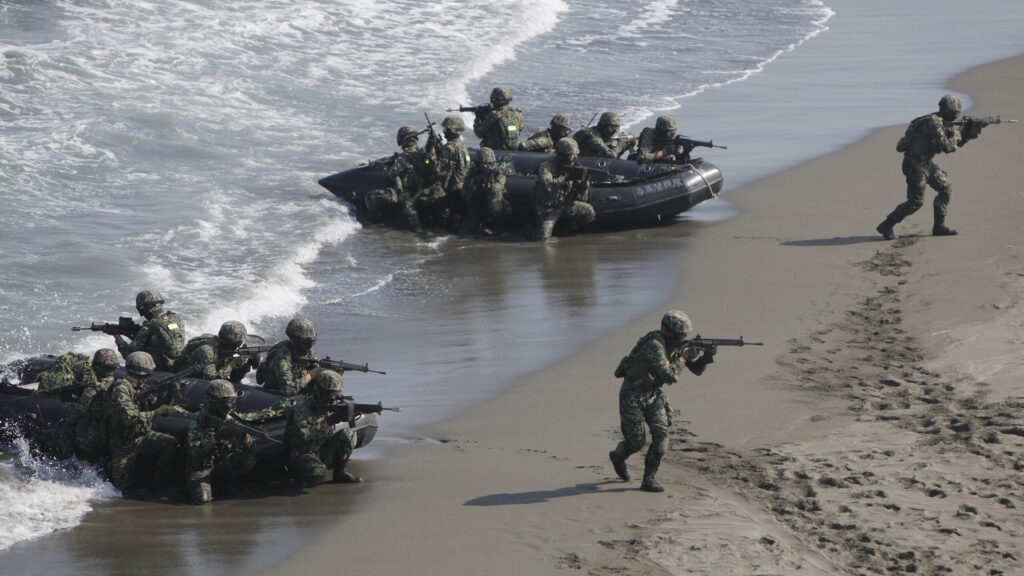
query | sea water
[177, 145]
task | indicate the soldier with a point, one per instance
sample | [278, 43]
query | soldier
[217, 451]
[600, 141]
[445, 196]
[412, 171]
[561, 191]
[131, 420]
[656, 359]
[544, 141]
[658, 145]
[925, 137]
[280, 372]
[162, 334]
[499, 127]
[214, 356]
[87, 416]
[314, 446]
[484, 194]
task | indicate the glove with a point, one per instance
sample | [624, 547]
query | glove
[709, 354]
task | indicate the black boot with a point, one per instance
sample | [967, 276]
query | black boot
[620, 466]
[342, 476]
[939, 228]
[885, 228]
[650, 484]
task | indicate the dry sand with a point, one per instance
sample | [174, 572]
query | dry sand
[878, 430]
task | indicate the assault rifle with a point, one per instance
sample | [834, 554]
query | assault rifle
[336, 365]
[687, 143]
[707, 343]
[346, 411]
[125, 327]
[968, 120]
[481, 110]
[246, 351]
[239, 429]
[162, 388]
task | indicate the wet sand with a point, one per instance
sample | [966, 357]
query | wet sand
[878, 429]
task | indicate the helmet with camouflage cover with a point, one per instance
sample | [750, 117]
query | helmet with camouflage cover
[950, 107]
[567, 149]
[561, 125]
[148, 300]
[665, 126]
[220, 397]
[105, 358]
[500, 96]
[328, 386]
[609, 124]
[232, 335]
[486, 156]
[675, 324]
[139, 364]
[406, 133]
[453, 124]
[301, 333]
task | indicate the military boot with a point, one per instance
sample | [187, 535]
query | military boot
[885, 228]
[939, 228]
[342, 476]
[650, 484]
[620, 466]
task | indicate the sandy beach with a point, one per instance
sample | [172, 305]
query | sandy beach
[878, 429]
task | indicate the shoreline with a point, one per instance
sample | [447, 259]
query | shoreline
[521, 483]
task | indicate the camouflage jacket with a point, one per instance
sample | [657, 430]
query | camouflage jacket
[593, 144]
[279, 372]
[929, 135]
[203, 354]
[88, 417]
[129, 420]
[162, 336]
[652, 363]
[500, 128]
[539, 142]
[210, 441]
[307, 428]
[452, 164]
[648, 146]
[555, 186]
[413, 170]
[484, 182]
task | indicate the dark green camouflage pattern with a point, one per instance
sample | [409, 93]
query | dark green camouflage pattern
[559, 195]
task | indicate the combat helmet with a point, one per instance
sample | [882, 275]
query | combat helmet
[301, 332]
[139, 364]
[567, 149]
[105, 358]
[675, 324]
[328, 386]
[453, 124]
[561, 125]
[665, 126]
[486, 156]
[147, 301]
[950, 107]
[406, 133]
[500, 96]
[232, 335]
[221, 397]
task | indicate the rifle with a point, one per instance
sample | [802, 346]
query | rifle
[687, 143]
[163, 388]
[707, 343]
[125, 327]
[480, 110]
[240, 429]
[591, 121]
[433, 142]
[346, 410]
[336, 365]
[967, 120]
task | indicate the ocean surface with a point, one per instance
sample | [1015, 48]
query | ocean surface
[177, 145]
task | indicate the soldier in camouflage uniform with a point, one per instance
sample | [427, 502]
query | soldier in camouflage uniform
[925, 137]
[162, 334]
[217, 451]
[499, 128]
[314, 444]
[442, 201]
[412, 171]
[281, 372]
[657, 359]
[600, 141]
[657, 145]
[214, 356]
[131, 416]
[484, 194]
[561, 191]
[545, 140]
[87, 417]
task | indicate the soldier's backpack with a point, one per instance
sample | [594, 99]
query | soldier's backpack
[62, 373]
[912, 133]
[185, 359]
[167, 335]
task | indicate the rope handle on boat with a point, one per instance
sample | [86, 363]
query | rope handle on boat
[706, 183]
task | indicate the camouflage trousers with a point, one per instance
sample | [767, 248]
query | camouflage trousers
[387, 205]
[486, 208]
[227, 471]
[124, 457]
[636, 409]
[577, 214]
[312, 468]
[919, 173]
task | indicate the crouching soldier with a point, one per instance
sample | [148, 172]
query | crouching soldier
[217, 451]
[87, 416]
